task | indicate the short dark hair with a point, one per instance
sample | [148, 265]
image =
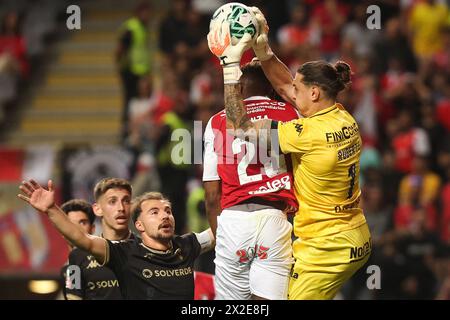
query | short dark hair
[255, 81]
[79, 205]
[330, 78]
[111, 183]
[136, 208]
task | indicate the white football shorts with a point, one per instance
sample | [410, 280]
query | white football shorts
[253, 255]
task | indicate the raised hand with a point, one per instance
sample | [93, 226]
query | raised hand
[37, 196]
[220, 44]
[261, 44]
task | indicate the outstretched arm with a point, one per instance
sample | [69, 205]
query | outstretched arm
[277, 72]
[44, 201]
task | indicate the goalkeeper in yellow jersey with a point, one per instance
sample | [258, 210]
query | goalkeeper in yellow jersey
[325, 146]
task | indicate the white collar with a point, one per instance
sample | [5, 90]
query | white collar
[257, 98]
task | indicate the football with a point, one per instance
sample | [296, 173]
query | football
[240, 17]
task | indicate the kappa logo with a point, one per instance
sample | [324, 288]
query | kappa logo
[92, 263]
[298, 128]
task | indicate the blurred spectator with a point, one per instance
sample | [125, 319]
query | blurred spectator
[419, 246]
[378, 213]
[12, 43]
[441, 58]
[146, 177]
[164, 100]
[205, 91]
[444, 290]
[356, 31]
[174, 172]
[367, 103]
[296, 33]
[329, 17]
[13, 60]
[418, 192]
[141, 133]
[170, 35]
[408, 141]
[434, 130]
[393, 266]
[40, 22]
[132, 56]
[444, 161]
[421, 182]
[390, 176]
[393, 44]
[426, 22]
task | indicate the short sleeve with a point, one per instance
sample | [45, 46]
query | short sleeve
[117, 254]
[195, 244]
[210, 160]
[293, 136]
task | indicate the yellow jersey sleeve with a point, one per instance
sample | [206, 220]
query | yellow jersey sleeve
[294, 136]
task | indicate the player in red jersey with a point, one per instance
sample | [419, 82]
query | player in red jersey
[253, 241]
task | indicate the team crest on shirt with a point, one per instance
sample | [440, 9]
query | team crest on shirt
[298, 128]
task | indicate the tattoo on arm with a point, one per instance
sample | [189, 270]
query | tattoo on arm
[238, 119]
[235, 109]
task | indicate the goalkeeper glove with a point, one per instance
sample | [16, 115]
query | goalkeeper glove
[219, 42]
[261, 45]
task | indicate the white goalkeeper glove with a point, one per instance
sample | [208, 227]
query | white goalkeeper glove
[219, 42]
[261, 45]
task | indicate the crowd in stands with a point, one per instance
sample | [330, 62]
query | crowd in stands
[400, 96]
[25, 28]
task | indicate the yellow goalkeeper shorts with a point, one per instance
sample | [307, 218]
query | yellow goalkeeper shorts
[324, 264]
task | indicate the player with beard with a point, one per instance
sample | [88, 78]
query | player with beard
[159, 267]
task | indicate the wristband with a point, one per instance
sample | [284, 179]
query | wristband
[231, 73]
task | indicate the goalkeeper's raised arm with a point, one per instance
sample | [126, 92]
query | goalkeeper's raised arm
[221, 45]
[276, 71]
[44, 201]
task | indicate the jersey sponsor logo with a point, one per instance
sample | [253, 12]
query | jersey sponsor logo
[343, 134]
[349, 152]
[92, 263]
[258, 251]
[359, 253]
[263, 106]
[353, 205]
[274, 186]
[102, 284]
[147, 273]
